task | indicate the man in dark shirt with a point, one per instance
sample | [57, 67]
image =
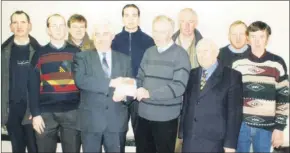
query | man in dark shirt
[238, 47]
[16, 55]
[133, 42]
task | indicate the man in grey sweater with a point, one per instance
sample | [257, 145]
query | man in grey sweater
[161, 81]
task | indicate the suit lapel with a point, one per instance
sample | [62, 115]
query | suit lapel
[195, 83]
[115, 70]
[212, 81]
[97, 66]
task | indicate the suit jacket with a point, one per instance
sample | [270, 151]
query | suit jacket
[215, 113]
[97, 111]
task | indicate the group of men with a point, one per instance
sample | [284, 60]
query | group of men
[190, 95]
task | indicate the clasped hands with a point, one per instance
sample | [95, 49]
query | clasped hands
[124, 87]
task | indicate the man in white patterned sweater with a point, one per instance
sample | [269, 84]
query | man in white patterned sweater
[266, 93]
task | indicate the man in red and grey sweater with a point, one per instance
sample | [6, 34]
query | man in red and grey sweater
[266, 93]
[56, 96]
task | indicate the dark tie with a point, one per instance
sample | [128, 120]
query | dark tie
[105, 66]
[203, 79]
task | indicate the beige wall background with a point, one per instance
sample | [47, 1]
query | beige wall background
[214, 17]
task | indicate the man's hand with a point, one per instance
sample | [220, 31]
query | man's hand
[30, 117]
[229, 150]
[116, 82]
[277, 138]
[142, 93]
[38, 124]
[117, 97]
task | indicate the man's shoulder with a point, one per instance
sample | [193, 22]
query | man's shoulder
[231, 73]
[120, 55]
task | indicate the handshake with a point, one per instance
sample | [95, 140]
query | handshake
[125, 86]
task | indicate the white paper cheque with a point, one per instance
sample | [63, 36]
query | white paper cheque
[128, 88]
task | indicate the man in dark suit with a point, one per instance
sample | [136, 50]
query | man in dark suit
[212, 108]
[103, 113]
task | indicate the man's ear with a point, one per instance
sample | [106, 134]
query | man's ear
[267, 41]
[29, 27]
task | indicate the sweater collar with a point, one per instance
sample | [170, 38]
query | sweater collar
[254, 58]
[126, 32]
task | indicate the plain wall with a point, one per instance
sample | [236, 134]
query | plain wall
[214, 17]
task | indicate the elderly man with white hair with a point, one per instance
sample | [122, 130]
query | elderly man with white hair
[212, 107]
[103, 112]
[162, 78]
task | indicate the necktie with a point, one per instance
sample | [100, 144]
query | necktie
[105, 66]
[203, 79]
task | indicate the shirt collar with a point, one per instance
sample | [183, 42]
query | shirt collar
[108, 53]
[162, 49]
[242, 50]
[211, 69]
[53, 46]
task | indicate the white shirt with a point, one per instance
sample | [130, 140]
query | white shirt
[162, 49]
[108, 58]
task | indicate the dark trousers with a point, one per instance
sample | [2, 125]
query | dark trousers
[132, 110]
[197, 144]
[92, 142]
[21, 136]
[281, 150]
[63, 123]
[154, 136]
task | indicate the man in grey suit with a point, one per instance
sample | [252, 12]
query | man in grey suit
[103, 113]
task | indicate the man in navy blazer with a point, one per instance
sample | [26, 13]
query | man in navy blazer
[212, 109]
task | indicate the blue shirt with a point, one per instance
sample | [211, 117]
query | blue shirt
[242, 50]
[210, 70]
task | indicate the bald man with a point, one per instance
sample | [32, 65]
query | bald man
[188, 36]
[103, 114]
[212, 107]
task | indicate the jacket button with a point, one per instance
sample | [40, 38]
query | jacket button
[195, 120]
[197, 102]
[107, 95]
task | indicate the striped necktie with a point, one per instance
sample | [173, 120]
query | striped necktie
[105, 66]
[203, 79]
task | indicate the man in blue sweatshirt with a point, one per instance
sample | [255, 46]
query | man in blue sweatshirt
[132, 42]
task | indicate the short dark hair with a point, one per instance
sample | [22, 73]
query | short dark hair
[259, 26]
[130, 5]
[76, 18]
[18, 13]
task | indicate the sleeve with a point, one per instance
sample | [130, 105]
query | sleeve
[234, 111]
[141, 73]
[282, 98]
[183, 110]
[34, 85]
[129, 74]
[177, 86]
[96, 83]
